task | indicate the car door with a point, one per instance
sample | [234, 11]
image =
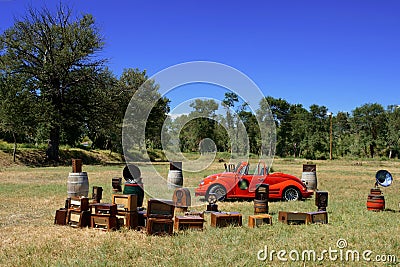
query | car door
[259, 176]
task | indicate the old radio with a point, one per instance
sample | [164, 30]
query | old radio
[125, 202]
[321, 200]
[61, 217]
[78, 218]
[262, 192]
[318, 217]
[157, 226]
[181, 198]
[223, 219]
[104, 209]
[97, 194]
[303, 217]
[104, 222]
[78, 204]
[157, 208]
[128, 219]
[258, 220]
[188, 222]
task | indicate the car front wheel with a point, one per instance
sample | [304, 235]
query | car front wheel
[218, 191]
[291, 194]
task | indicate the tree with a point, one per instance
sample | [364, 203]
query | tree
[370, 122]
[56, 53]
[393, 132]
[16, 105]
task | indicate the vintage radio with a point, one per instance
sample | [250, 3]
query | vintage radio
[163, 209]
[61, 217]
[76, 165]
[125, 202]
[78, 203]
[157, 226]
[303, 217]
[104, 209]
[104, 222]
[128, 219]
[116, 184]
[97, 194]
[223, 219]
[318, 217]
[78, 218]
[262, 192]
[195, 213]
[321, 200]
[293, 217]
[181, 198]
[188, 222]
[257, 220]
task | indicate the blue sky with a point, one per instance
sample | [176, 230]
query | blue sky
[339, 54]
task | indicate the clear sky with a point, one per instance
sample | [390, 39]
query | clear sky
[340, 54]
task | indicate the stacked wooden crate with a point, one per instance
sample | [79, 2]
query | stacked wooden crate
[127, 214]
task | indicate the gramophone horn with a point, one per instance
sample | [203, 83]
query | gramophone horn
[384, 178]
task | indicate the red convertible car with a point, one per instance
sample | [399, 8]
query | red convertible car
[237, 182]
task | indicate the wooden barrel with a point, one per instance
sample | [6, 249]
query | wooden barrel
[78, 184]
[260, 206]
[135, 189]
[376, 202]
[175, 179]
[310, 180]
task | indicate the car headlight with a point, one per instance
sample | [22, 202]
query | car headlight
[202, 183]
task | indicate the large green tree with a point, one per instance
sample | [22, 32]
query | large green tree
[57, 54]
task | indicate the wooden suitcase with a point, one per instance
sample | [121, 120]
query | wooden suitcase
[125, 202]
[156, 226]
[104, 222]
[78, 218]
[257, 220]
[188, 222]
[223, 219]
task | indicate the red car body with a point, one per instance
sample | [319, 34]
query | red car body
[238, 183]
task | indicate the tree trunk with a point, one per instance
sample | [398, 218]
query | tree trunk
[390, 154]
[15, 147]
[54, 144]
[371, 148]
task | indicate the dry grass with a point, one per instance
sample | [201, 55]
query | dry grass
[30, 196]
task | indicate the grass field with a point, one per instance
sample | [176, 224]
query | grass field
[30, 196]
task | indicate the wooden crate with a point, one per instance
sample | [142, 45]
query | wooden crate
[104, 222]
[128, 219]
[257, 220]
[188, 222]
[78, 218]
[78, 204]
[156, 226]
[104, 209]
[223, 219]
[61, 217]
[303, 217]
[163, 209]
[125, 202]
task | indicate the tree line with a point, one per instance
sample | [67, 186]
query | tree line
[56, 89]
